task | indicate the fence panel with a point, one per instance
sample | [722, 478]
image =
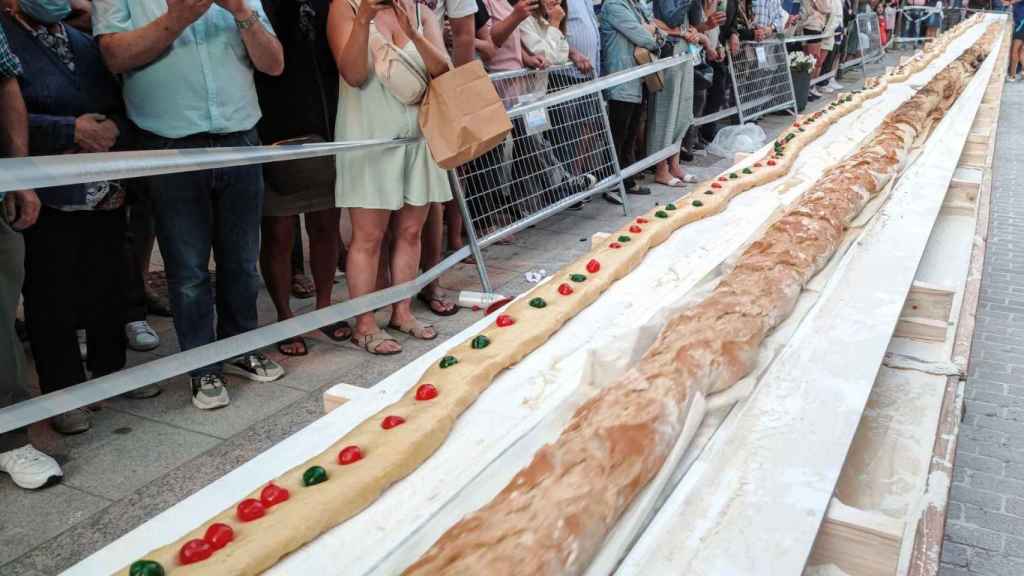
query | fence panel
[761, 80]
[555, 156]
[912, 22]
[869, 36]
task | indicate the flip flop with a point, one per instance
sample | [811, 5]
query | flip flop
[434, 298]
[673, 182]
[371, 342]
[331, 330]
[302, 287]
[416, 329]
[639, 191]
[293, 340]
[690, 179]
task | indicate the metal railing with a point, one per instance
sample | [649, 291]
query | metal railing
[761, 79]
[45, 171]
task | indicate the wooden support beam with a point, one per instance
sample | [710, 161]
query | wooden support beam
[858, 542]
[926, 313]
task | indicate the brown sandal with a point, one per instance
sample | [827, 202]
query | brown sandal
[416, 329]
[371, 342]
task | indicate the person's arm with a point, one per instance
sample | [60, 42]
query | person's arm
[428, 43]
[582, 63]
[263, 47]
[348, 33]
[14, 142]
[483, 44]
[127, 50]
[502, 29]
[463, 39]
[626, 23]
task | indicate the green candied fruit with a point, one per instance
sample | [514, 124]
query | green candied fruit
[538, 303]
[733, 176]
[800, 129]
[146, 568]
[577, 278]
[709, 192]
[314, 475]
[624, 238]
[670, 206]
[748, 171]
[790, 136]
[697, 203]
[480, 342]
[661, 214]
[449, 361]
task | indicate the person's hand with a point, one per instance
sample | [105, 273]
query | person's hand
[524, 9]
[22, 208]
[555, 13]
[792, 20]
[760, 33]
[734, 44]
[185, 12]
[401, 9]
[714, 20]
[368, 10]
[238, 8]
[535, 61]
[582, 63]
[95, 133]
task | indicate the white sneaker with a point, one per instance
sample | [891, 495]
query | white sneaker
[254, 366]
[814, 92]
[141, 336]
[1011, 78]
[824, 89]
[834, 85]
[209, 393]
[30, 468]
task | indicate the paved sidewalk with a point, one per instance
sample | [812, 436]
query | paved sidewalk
[985, 522]
[143, 456]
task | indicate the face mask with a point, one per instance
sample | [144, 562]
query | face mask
[46, 11]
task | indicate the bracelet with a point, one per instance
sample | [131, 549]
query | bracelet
[248, 22]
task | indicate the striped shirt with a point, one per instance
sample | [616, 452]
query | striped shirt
[582, 32]
[10, 66]
[769, 14]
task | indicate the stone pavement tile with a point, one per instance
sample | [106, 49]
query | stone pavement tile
[250, 403]
[123, 452]
[17, 569]
[30, 518]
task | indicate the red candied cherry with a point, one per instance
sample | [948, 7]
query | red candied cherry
[716, 185]
[426, 392]
[195, 550]
[771, 162]
[615, 245]
[642, 220]
[504, 321]
[218, 535]
[635, 229]
[349, 455]
[250, 509]
[565, 289]
[392, 421]
[593, 266]
[272, 495]
[722, 178]
[757, 164]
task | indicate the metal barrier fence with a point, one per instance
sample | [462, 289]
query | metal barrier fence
[761, 79]
[912, 22]
[43, 171]
[869, 37]
[556, 155]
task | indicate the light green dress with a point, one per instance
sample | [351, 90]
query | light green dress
[384, 178]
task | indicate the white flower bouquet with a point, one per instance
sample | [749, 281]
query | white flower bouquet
[801, 62]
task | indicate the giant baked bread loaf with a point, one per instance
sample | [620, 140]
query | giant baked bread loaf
[555, 513]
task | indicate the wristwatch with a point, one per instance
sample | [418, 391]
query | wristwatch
[248, 22]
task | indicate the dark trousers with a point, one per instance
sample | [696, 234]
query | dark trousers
[136, 241]
[13, 387]
[196, 212]
[717, 98]
[73, 278]
[624, 118]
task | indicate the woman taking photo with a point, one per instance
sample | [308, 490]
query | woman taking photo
[386, 52]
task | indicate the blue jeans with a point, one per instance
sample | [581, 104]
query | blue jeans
[195, 212]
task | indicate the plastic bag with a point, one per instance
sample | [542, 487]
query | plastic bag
[732, 139]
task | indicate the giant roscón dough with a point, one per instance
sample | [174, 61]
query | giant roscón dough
[555, 513]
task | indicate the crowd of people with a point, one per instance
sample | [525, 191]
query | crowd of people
[109, 75]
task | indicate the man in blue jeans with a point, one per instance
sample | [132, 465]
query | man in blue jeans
[188, 83]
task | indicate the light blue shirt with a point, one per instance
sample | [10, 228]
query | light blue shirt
[203, 83]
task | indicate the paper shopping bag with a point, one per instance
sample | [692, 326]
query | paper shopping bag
[462, 117]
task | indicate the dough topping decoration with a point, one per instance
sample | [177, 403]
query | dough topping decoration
[426, 392]
[480, 342]
[349, 455]
[593, 266]
[564, 289]
[504, 321]
[250, 509]
[314, 475]
[272, 495]
[195, 550]
[391, 421]
[538, 302]
[448, 361]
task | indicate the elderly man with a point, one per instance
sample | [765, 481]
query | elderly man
[188, 83]
[27, 467]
